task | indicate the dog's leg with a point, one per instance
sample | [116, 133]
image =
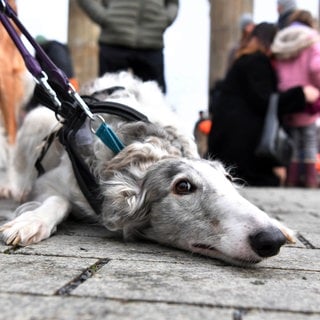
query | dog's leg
[21, 172]
[38, 224]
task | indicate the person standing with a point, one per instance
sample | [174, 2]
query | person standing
[200, 132]
[285, 9]
[297, 52]
[131, 35]
[246, 25]
[239, 112]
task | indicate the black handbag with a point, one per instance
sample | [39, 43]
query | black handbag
[275, 143]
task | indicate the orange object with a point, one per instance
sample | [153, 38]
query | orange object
[205, 126]
[75, 83]
[12, 69]
[318, 163]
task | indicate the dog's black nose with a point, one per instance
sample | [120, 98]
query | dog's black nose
[267, 242]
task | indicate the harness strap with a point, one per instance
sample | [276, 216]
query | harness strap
[107, 91]
[87, 182]
[60, 96]
[115, 108]
[48, 141]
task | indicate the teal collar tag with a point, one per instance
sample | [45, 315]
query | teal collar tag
[109, 138]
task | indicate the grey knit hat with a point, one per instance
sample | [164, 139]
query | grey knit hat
[288, 5]
[245, 19]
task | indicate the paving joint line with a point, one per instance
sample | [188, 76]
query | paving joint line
[12, 250]
[84, 276]
[305, 242]
[244, 310]
[201, 305]
[144, 260]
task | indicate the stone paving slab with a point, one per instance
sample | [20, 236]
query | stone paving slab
[290, 256]
[291, 199]
[294, 259]
[149, 281]
[38, 274]
[300, 221]
[74, 308]
[205, 284]
[99, 248]
[313, 238]
[267, 315]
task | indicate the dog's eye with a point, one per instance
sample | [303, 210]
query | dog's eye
[183, 187]
[229, 177]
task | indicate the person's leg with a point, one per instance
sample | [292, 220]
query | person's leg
[149, 65]
[293, 170]
[113, 59]
[309, 135]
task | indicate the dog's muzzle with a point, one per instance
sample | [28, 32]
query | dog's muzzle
[267, 243]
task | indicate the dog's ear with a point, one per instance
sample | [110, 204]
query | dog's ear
[131, 184]
[124, 205]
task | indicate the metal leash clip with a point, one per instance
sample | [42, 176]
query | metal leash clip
[72, 91]
[43, 81]
[107, 135]
[3, 6]
[104, 132]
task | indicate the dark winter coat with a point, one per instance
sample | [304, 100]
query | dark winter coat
[132, 23]
[283, 20]
[239, 116]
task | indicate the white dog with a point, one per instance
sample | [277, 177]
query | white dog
[156, 188]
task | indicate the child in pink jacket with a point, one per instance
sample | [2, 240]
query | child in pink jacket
[297, 52]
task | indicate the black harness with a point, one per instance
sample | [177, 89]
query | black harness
[71, 110]
[74, 120]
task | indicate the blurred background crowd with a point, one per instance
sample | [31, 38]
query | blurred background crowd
[216, 62]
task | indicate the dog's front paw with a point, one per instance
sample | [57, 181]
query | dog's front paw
[5, 192]
[25, 230]
[16, 194]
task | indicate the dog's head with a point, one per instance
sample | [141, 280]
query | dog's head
[193, 205]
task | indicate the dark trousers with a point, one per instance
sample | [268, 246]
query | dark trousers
[146, 64]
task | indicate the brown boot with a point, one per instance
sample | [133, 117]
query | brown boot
[311, 175]
[293, 175]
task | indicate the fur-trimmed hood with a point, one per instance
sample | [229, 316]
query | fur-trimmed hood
[290, 41]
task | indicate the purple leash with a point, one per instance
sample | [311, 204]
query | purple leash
[104, 132]
[33, 65]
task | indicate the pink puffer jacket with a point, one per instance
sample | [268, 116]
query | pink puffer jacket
[297, 52]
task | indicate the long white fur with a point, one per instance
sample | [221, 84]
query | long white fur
[140, 186]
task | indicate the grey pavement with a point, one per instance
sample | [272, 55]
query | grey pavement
[82, 273]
